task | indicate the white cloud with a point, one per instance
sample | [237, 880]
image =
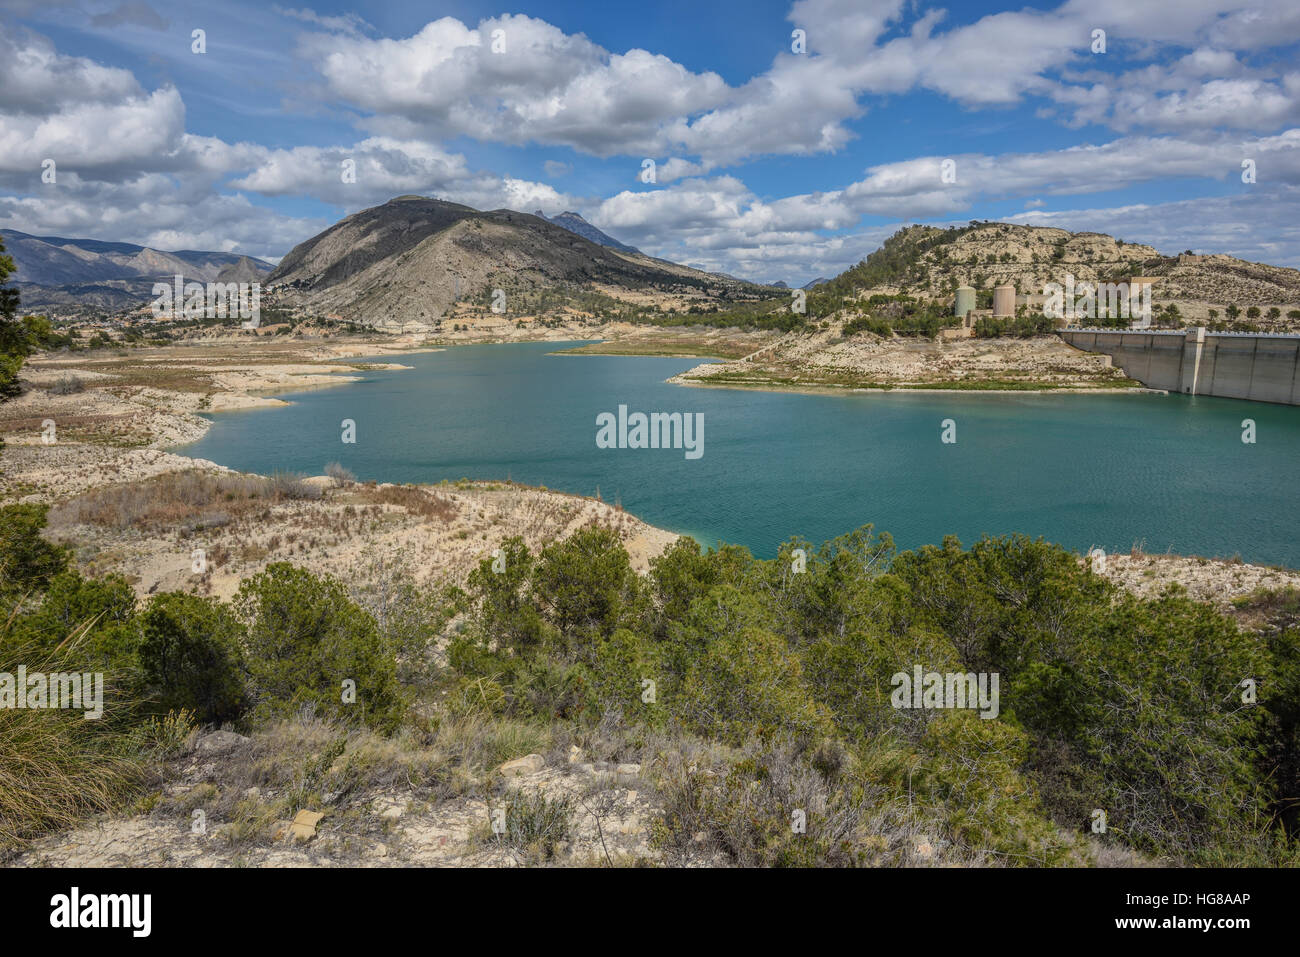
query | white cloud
[155, 210]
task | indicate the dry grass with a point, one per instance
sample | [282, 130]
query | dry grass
[57, 767]
[190, 499]
[425, 503]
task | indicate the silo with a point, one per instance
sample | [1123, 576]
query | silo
[964, 302]
[1004, 300]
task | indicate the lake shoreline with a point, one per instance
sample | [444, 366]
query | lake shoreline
[95, 457]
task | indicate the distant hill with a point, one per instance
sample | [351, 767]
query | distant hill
[410, 259]
[576, 224]
[816, 282]
[56, 271]
[927, 260]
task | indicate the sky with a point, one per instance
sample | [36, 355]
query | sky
[788, 140]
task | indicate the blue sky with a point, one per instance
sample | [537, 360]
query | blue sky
[771, 163]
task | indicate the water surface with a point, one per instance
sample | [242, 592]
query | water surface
[1169, 473]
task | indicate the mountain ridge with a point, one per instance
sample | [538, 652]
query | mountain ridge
[59, 271]
[574, 223]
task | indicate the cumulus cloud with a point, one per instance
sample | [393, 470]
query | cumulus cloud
[746, 233]
[512, 79]
[536, 84]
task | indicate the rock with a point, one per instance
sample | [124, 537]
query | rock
[303, 827]
[575, 754]
[528, 764]
[390, 809]
[219, 741]
[629, 769]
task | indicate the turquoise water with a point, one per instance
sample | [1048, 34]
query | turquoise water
[1108, 471]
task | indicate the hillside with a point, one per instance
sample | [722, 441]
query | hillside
[930, 262]
[54, 271]
[888, 321]
[411, 260]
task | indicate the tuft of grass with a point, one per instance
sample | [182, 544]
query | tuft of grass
[57, 767]
[534, 824]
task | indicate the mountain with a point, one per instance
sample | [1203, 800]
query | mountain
[816, 282]
[576, 224]
[779, 284]
[55, 271]
[410, 259]
[246, 269]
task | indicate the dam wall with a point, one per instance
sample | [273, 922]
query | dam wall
[1235, 365]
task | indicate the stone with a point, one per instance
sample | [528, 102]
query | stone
[219, 741]
[303, 827]
[390, 809]
[528, 764]
[575, 754]
[629, 769]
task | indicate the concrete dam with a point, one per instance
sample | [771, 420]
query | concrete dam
[1261, 367]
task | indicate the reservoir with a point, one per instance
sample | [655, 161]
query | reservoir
[1163, 472]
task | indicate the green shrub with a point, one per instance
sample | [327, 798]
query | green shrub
[305, 639]
[748, 683]
[189, 656]
[27, 561]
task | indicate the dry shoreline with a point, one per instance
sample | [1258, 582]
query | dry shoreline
[904, 390]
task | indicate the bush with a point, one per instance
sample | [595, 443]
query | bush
[747, 683]
[67, 384]
[293, 486]
[101, 611]
[339, 475]
[305, 639]
[189, 655]
[27, 561]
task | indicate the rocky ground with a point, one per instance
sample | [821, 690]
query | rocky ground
[1216, 581]
[608, 808]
